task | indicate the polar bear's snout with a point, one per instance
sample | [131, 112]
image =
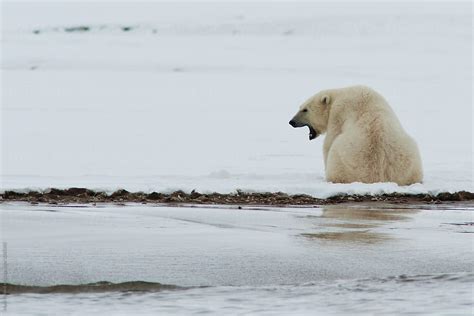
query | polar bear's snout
[295, 122]
[298, 120]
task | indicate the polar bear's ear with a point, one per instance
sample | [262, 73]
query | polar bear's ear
[325, 99]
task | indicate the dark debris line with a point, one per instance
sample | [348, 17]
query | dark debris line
[98, 287]
[83, 195]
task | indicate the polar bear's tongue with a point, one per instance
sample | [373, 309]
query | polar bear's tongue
[312, 133]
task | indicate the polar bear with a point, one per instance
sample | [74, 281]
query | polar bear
[365, 141]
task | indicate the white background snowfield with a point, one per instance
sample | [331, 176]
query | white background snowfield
[159, 97]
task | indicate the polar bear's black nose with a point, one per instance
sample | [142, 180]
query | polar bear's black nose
[293, 123]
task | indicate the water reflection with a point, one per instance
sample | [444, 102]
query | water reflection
[367, 214]
[356, 236]
[355, 224]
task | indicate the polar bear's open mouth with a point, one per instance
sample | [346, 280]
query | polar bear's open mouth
[312, 133]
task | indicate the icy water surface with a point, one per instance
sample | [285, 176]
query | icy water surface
[349, 259]
[443, 294]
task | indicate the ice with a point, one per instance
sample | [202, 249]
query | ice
[198, 96]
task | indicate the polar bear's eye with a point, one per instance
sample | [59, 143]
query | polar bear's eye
[305, 110]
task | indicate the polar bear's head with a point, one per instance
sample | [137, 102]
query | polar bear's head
[314, 113]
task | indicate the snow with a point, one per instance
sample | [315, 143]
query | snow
[198, 96]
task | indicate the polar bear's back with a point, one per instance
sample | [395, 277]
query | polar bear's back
[372, 145]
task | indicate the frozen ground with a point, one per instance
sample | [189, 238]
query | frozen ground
[198, 96]
[331, 260]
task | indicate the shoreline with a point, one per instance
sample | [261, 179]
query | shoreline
[281, 199]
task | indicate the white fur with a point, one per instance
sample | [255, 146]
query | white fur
[365, 141]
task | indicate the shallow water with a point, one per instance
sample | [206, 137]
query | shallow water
[437, 294]
[350, 259]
